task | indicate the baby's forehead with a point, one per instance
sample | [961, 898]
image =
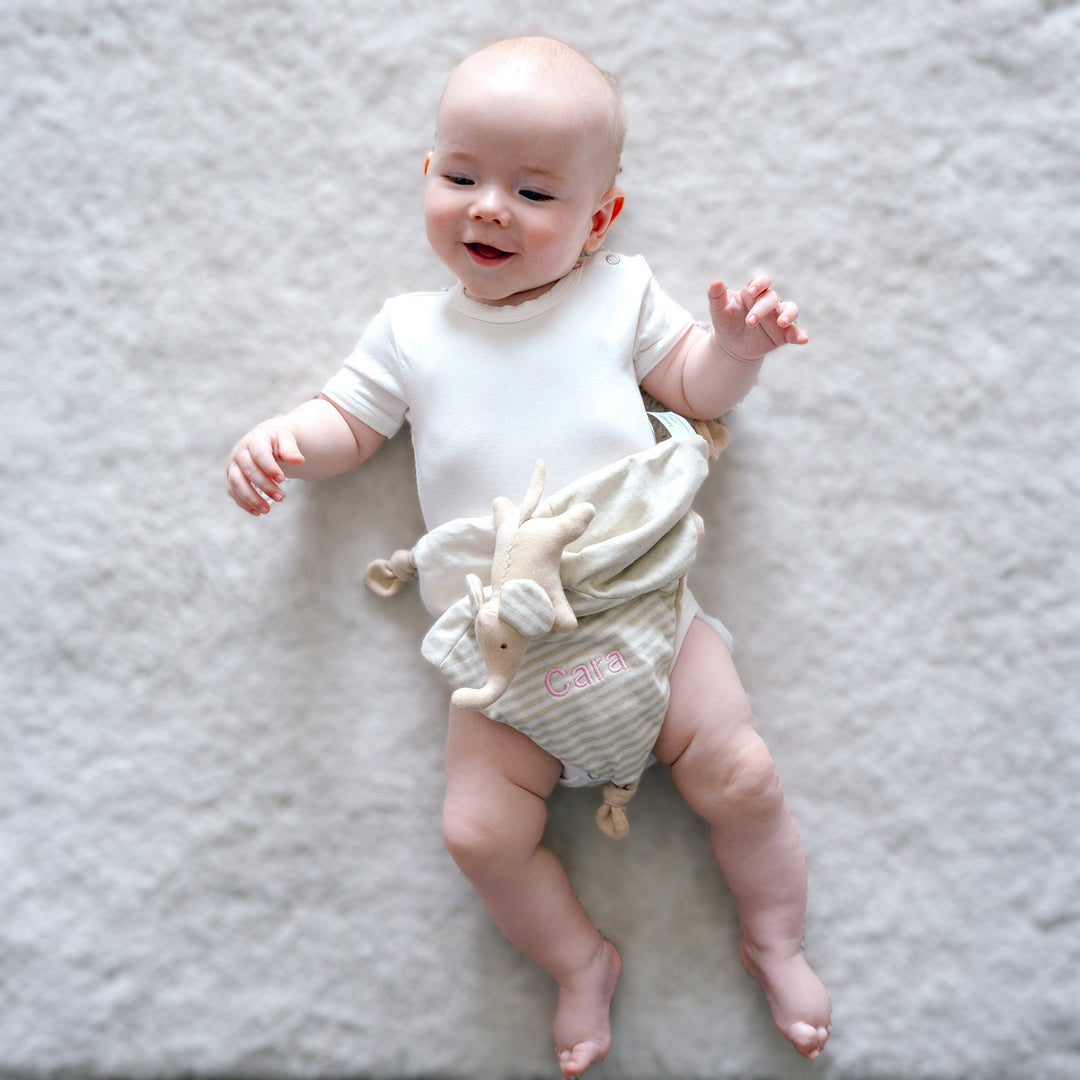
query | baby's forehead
[497, 101]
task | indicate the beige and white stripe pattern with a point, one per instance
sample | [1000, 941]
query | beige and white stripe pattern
[594, 698]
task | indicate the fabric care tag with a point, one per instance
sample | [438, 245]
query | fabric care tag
[676, 425]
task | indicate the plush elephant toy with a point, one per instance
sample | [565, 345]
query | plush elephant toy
[527, 597]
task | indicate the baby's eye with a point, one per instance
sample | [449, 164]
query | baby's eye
[535, 196]
[461, 181]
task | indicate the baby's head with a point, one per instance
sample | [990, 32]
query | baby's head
[519, 183]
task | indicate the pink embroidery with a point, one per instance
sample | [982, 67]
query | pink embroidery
[559, 683]
[561, 673]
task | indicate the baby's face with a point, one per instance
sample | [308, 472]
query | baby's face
[514, 182]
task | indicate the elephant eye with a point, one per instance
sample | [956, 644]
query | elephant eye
[504, 646]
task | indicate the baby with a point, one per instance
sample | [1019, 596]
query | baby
[540, 350]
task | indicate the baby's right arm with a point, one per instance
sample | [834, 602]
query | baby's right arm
[315, 440]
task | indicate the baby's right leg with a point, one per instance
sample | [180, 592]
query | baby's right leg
[493, 820]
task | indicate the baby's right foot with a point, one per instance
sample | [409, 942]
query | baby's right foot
[582, 1021]
[798, 1000]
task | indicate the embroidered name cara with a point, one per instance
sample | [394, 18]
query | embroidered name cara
[559, 682]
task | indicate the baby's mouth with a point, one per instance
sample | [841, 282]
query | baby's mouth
[487, 253]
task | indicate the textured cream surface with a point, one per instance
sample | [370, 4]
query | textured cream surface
[220, 758]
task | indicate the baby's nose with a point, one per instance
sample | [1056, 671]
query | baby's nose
[490, 205]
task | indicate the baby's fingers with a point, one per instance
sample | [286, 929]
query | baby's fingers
[767, 303]
[758, 287]
[760, 299]
[718, 294]
[786, 314]
[726, 309]
[260, 465]
[255, 475]
[287, 448]
[787, 311]
[243, 492]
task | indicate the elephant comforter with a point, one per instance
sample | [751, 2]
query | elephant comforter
[594, 697]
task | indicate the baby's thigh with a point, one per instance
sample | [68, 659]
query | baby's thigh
[707, 703]
[497, 781]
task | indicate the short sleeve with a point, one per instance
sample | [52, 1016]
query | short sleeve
[661, 325]
[370, 384]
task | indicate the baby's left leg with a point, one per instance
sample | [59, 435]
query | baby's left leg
[726, 774]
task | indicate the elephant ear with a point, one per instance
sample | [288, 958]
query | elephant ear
[526, 607]
[476, 593]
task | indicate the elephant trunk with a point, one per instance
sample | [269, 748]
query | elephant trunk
[501, 646]
[482, 698]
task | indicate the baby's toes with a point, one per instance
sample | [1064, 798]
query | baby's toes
[575, 1062]
[808, 1040]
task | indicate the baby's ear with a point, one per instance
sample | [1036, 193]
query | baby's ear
[611, 204]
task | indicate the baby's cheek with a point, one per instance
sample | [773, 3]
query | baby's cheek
[562, 245]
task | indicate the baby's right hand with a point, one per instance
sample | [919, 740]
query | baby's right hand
[255, 474]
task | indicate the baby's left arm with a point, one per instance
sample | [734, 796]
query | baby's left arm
[710, 371]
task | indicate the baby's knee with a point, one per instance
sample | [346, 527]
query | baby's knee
[750, 774]
[739, 778]
[465, 836]
[475, 838]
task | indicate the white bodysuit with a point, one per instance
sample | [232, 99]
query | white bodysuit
[489, 390]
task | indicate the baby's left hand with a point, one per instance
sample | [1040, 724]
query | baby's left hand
[753, 321]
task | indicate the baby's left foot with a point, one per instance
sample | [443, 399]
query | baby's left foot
[798, 1000]
[582, 1027]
